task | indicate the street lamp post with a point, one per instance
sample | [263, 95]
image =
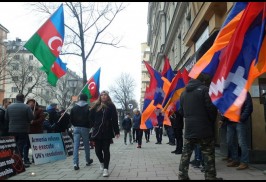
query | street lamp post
[72, 83]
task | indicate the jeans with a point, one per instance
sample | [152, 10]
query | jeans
[159, 134]
[81, 132]
[239, 130]
[130, 136]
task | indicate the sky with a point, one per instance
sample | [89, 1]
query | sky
[130, 24]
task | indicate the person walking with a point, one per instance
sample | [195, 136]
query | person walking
[3, 122]
[240, 130]
[79, 118]
[136, 125]
[105, 127]
[127, 125]
[19, 117]
[199, 115]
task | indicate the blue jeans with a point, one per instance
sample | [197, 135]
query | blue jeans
[198, 154]
[239, 130]
[81, 132]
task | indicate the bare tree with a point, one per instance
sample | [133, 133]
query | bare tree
[62, 93]
[86, 24]
[25, 74]
[123, 90]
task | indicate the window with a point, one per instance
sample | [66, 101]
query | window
[15, 78]
[14, 89]
[16, 57]
[15, 66]
[30, 57]
[30, 79]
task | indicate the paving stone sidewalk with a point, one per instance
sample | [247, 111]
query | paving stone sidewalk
[151, 162]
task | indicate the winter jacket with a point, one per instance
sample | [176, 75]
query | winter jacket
[127, 123]
[198, 110]
[136, 121]
[3, 123]
[177, 121]
[79, 115]
[19, 116]
[105, 122]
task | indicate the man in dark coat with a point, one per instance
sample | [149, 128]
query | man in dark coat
[177, 124]
[127, 125]
[199, 117]
[19, 117]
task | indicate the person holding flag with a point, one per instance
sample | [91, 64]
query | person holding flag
[199, 115]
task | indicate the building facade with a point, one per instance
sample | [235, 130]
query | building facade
[145, 77]
[23, 75]
[184, 31]
[3, 59]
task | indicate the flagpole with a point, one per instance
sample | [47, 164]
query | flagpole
[71, 103]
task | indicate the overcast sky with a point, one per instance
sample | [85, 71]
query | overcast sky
[131, 24]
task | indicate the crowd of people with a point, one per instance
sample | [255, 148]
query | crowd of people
[98, 124]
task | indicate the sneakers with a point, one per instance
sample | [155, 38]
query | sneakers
[101, 166]
[90, 162]
[76, 167]
[105, 173]
[139, 146]
[233, 164]
[242, 166]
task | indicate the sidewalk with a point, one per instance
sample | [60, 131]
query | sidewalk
[151, 162]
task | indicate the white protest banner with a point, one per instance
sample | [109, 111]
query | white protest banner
[47, 147]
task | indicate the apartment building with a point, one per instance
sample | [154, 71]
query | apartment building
[184, 31]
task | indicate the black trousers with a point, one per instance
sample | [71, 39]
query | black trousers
[102, 150]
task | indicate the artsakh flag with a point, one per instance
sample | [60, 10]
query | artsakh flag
[239, 60]
[46, 45]
[93, 87]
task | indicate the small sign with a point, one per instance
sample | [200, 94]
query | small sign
[130, 106]
[68, 143]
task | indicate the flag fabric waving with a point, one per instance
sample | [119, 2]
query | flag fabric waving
[57, 71]
[232, 65]
[46, 45]
[93, 87]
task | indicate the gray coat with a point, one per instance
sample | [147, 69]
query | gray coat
[19, 116]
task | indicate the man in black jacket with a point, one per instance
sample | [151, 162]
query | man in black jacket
[127, 125]
[199, 117]
[79, 118]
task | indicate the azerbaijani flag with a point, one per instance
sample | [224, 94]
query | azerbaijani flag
[46, 45]
[93, 86]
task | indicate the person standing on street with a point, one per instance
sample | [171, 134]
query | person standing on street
[127, 125]
[136, 125]
[199, 117]
[79, 118]
[177, 124]
[3, 122]
[105, 127]
[19, 117]
[240, 129]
